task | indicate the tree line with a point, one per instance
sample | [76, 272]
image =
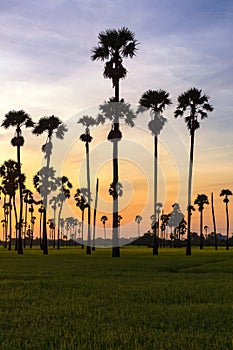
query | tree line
[114, 45]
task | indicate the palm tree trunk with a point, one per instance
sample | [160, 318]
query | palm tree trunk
[88, 249]
[45, 202]
[82, 227]
[227, 216]
[201, 233]
[44, 226]
[95, 209]
[155, 241]
[16, 224]
[25, 225]
[115, 233]
[214, 222]
[58, 227]
[188, 247]
[10, 224]
[20, 245]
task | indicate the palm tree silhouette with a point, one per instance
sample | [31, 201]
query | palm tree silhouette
[45, 182]
[81, 202]
[197, 105]
[87, 138]
[27, 196]
[176, 217]
[138, 220]
[200, 201]
[49, 125]
[64, 186]
[18, 119]
[156, 101]
[10, 183]
[41, 212]
[226, 193]
[103, 219]
[113, 46]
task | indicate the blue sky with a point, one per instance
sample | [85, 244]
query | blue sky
[45, 65]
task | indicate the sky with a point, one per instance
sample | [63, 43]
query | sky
[45, 69]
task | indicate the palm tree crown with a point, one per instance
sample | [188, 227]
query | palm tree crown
[113, 46]
[18, 119]
[197, 104]
[201, 200]
[225, 193]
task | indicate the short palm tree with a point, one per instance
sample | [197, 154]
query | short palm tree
[197, 105]
[64, 186]
[10, 182]
[156, 101]
[113, 46]
[103, 219]
[226, 193]
[200, 201]
[45, 182]
[87, 138]
[18, 119]
[138, 220]
[49, 125]
[27, 196]
[80, 198]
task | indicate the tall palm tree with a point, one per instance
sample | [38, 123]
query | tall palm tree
[103, 219]
[87, 138]
[226, 193]
[18, 119]
[80, 198]
[138, 220]
[156, 101]
[113, 46]
[197, 105]
[200, 201]
[49, 125]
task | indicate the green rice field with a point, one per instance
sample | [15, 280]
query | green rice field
[68, 300]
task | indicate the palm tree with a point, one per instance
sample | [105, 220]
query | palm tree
[138, 220]
[64, 186]
[164, 222]
[103, 219]
[156, 101]
[200, 201]
[41, 212]
[176, 217]
[18, 119]
[113, 46]
[45, 182]
[10, 183]
[81, 202]
[27, 196]
[87, 138]
[196, 104]
[225, 193]
[49, 125]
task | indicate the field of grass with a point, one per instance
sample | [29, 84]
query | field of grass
[68, 300]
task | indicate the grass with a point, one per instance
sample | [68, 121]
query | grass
[68, 300]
